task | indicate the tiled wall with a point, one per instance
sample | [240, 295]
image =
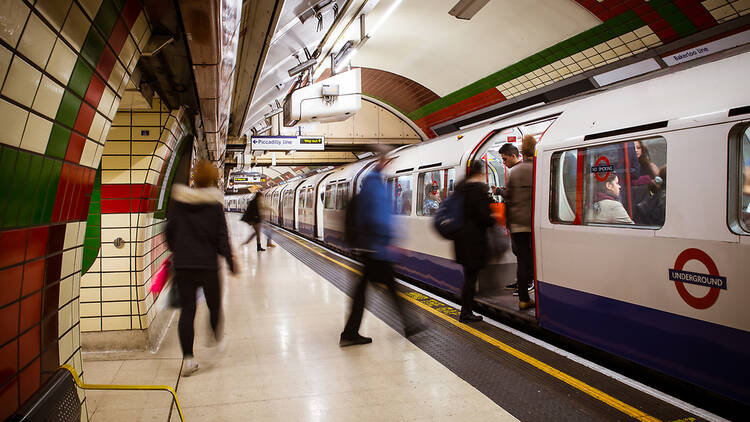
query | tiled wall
[628, 27]
[134, 172]
[63, 67]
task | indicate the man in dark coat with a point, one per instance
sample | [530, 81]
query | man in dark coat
[471, 243]
[252, 217]
[196, 233]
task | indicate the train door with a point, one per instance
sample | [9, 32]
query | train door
[320, 206]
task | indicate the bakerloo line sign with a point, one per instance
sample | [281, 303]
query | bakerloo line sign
[287, 143]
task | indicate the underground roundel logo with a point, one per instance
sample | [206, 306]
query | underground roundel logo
[712, 280]
[602, 168]
[435, 187]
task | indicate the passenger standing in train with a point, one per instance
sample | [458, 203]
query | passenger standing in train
[650, 211]
[252, 217]
[518, 197]
[606, 207]
[471, 245]
[375, 232]
[431, 201]
[510, 156]
[196, 232]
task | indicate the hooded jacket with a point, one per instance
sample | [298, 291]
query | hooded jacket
[197, 229]
[374, 218]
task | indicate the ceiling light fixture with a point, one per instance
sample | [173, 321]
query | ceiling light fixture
[466, 9]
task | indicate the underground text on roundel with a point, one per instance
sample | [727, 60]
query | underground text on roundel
[699, 279]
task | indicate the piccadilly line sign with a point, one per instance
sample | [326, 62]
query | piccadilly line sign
[287, 143]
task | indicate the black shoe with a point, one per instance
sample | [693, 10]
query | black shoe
[470, 318]
[353, 341]
[512, 286]
[260, 249]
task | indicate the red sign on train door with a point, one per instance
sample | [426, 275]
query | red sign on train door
[712, 280]
[435, 187]
[602, 168]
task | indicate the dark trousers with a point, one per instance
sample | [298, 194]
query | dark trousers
[377, 272]
[467, 290]
[188, 282]
[256, 235]
[525, 266]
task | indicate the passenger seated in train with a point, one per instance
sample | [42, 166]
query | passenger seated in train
[650, 211]
[431, 201]
[606, 207]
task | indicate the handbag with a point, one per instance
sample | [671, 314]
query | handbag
[498, 240]
[161, 276]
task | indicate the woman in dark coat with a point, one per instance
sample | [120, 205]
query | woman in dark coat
[471, 243]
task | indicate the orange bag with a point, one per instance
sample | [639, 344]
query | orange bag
[498, 212]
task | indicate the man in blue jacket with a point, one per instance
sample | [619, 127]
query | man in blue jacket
[375, 230]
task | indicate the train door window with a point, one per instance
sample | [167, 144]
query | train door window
[403, 192]
[302, 202]
[311, 198]
[341, 195]
[739, 181]
[563, 187]
[432, 188]
[615, 184]
[330, 191]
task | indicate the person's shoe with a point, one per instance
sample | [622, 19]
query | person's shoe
[189, 367]
[260, 249]
[470, 318]
[526, 305]
[512, 286]
[345, 341]
[531, 286]
[270, 245]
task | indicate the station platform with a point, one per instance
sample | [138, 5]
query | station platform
[280, 359]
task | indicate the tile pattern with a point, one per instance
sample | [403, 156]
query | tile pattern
[134, 171]
[629, 27]
[63, 67]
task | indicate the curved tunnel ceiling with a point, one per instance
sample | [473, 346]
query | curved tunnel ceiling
[508, 50]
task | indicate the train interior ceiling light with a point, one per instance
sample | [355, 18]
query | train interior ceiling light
[466, 9]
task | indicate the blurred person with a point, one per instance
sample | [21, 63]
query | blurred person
[651, 209]
[607, 207]
[252, 217]
[471, 245]
[375, 233]
[518, 197]
[196, 233]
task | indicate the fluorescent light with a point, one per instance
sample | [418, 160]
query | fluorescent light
[466, 9]
[627, 72]
[345, 60]
[385, 17]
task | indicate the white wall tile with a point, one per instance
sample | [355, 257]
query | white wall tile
[90, 294]
[48, 97]
[5, 57]
[115, 220]
[115, 293]
[36, 134]
[14, 14]
[66, 292]
[91, 324]
[91, 279]
[88, 154]
[115, 323]
[116, 279]
[71, 235]
[37, 41]
[12, 122]
[61, 62]
[54, 10]
[116, 308]
[76, 27]
[22, 82]
[114, 264]
[68, 263]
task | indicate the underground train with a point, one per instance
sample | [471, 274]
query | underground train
[652, 288]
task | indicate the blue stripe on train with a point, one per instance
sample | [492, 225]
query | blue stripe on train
[712, 356]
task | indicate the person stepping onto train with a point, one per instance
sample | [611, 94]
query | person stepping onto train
[518, 197]
[471, 245]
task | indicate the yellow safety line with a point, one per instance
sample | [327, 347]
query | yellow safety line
[124, 387]
[582, 386]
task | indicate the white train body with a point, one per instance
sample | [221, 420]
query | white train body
[638, 291]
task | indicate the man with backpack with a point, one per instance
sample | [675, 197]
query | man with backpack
[372, 236]
[470, 242]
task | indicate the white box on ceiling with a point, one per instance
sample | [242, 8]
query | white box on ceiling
[312, 104]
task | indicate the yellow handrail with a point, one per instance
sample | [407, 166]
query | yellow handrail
[124, 387]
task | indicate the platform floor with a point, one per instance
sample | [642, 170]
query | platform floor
[282, 362]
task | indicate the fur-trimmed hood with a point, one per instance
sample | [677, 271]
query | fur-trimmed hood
[184, 194]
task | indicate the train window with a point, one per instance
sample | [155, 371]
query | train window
[310, 198]
[563, 187]
[739, 184]
[330, 191]
[432, 188]
[341, 195]
[622, 184]
[402, 198]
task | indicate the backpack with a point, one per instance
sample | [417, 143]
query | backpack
[351, 231]
[449, 219]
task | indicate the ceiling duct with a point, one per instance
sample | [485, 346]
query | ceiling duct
[466, 9]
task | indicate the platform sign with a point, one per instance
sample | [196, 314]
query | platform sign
[287, 143]
[702, 50]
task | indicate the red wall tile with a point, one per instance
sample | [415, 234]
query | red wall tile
[33, 277]
[13, 245]
[37, 242]
[10, 284]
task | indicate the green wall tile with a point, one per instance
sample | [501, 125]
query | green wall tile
[92, 240]
[41, 193]
[68, 110]
[107, 17]
[81, 76]
[93, 47]
[18, 186]
[58, 140]
[49, 203]
[7, 164]
[26, 217]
